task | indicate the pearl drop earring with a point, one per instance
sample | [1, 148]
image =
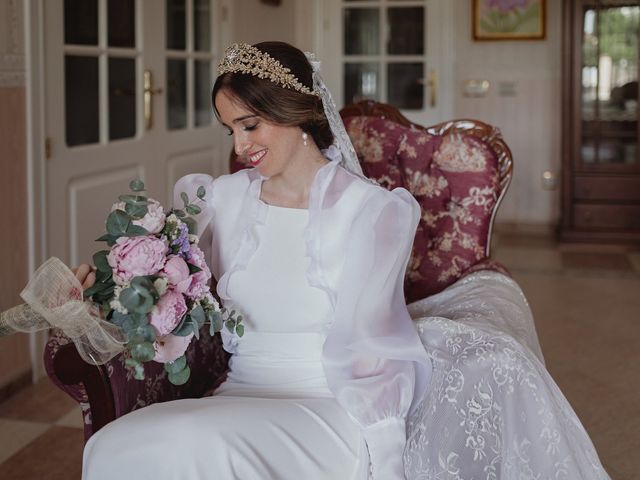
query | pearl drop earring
[304, 138]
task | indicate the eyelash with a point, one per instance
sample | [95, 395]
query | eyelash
[248, 128]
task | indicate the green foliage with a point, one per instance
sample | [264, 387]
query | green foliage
[136, 366]
[178, 371]
[117, 223]
[100, 261]
[200, 193]
[180, 378]
[140, 296]
[136, 185]
[143, 352]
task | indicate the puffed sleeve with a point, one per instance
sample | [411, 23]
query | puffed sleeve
[189, 184]
[374, 360]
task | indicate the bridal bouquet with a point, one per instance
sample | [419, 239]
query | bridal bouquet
[153, 282]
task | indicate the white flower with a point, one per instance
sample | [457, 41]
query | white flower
[118, 307]
[193, 239]
[161, 285]
[172, 218]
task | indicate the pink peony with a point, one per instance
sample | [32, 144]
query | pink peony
[171, 347]
[168, 312]
[176, 271]
[134, 256]
[196, 285]
[153, 221]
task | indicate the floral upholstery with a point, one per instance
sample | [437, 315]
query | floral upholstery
[207, 360]
[455, 179]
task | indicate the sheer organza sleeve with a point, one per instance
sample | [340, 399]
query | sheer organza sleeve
[189, 184]
[374, 361]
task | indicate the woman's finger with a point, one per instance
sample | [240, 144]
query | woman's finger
[82, 271]
[89, 280]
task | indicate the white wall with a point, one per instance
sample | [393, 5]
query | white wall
[255, 21]
[530, 121]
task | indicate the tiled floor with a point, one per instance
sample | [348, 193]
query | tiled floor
[586, 302]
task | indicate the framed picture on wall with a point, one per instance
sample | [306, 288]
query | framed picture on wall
[508, 19]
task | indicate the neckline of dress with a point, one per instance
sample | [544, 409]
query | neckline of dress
[328, 166]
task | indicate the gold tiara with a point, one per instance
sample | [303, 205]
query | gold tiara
[243, 58]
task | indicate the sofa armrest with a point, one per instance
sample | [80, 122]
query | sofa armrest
[107, 392]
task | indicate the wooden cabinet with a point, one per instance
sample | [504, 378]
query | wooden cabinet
[601, 159]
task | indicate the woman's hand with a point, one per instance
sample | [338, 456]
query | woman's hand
[85, 274]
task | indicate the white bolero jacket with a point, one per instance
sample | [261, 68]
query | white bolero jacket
[359, 239]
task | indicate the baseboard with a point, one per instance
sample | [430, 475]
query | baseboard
[518, 228]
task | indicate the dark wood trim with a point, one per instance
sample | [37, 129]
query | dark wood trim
[571, 228]
[71, 369]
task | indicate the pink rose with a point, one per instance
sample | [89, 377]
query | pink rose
[153, 221]
[176, 271]
[171, 347]
[134, 256]
[168, 312]
[196, 285]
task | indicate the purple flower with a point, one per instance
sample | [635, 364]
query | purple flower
[182, 241]
[506, 6]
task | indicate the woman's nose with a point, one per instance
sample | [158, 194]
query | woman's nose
[240, 144]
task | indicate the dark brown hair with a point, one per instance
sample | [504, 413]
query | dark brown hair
[277, 104]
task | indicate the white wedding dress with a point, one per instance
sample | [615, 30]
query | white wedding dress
[274, 417]
[490, 411]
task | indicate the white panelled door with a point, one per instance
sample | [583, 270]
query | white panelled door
[127, 87]
[393, 51]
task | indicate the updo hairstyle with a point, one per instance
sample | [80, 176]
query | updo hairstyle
[277, 104]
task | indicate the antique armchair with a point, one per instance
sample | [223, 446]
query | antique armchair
[457, 170]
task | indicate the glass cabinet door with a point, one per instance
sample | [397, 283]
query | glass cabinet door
[609, 86]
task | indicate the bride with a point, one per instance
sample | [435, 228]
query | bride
[335, 378]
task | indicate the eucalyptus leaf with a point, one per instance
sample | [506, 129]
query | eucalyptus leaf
[134, 199]
[136, 300]
[193, 269]
[180, 378]
[193, 209]
[184, 198]
[144, 284]
[136, 211]
[136, 231]
[240, 329]
[117, 222]
[198, 316]
[180, 213]
[185, 329]
[110, 239]
[230, 324]
[195, 330]
[100, 261]
[177, 365]
[141, 334]
[143, 352]
[133, 321]
[104, 276]
[200, 193]
[94, 289]
[136, 366]
[119, 318]
[136, 185]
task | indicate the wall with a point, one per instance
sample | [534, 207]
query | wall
[255, 21]
[530, 121]
[14, 350]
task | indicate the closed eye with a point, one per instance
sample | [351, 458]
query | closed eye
[250, 128]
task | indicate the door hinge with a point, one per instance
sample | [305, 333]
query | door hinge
[47, 148]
